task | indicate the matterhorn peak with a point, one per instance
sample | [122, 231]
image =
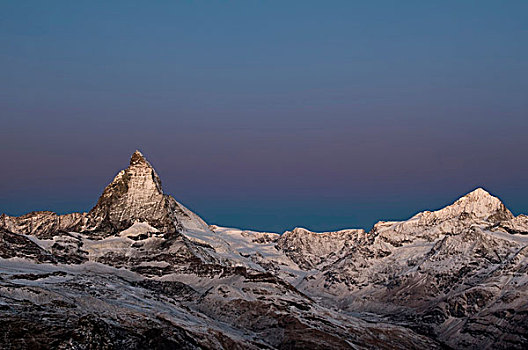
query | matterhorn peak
[134, 195]
[139, 158]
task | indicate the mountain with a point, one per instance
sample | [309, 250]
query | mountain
[135, 195]
[141, 271]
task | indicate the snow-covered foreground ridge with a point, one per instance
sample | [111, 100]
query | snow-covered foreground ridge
[141, 271]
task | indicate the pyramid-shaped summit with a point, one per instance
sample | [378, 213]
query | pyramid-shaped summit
[138, 158]
[477, 204]
[135, 195]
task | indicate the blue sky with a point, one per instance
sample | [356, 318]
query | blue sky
[266, 114]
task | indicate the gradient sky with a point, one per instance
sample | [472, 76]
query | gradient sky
[266, 114]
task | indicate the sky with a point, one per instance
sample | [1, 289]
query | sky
[266, 114]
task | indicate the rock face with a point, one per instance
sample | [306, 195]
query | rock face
[43, 223]
[315, 250]
[134, 195]
[141, 271]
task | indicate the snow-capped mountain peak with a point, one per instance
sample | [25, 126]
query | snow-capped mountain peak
[138, 157]
[135, 194]
[477, 207]
[478, 204]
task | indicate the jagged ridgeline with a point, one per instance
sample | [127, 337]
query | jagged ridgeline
[141, 271]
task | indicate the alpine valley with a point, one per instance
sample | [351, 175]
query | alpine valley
[141, 271]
